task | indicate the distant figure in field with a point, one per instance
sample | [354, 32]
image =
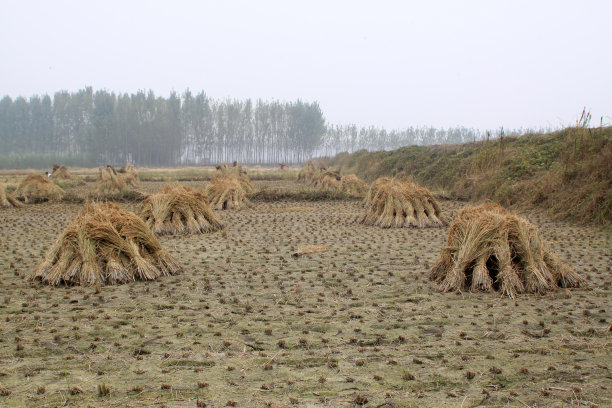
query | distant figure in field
[282, 166]
[47, 174]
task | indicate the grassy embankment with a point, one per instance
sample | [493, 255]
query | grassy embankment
[567, 173]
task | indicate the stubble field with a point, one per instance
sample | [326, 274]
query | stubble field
[248, 324]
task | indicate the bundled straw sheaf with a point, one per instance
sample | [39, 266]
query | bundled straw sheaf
[60, 172]
[489, 249]
[130, 175]
[227, 192]
[307, 172]
[237, 171]
[179, 210]
[397, 203]
[109, 180]
[37, 188]
[6, 199]
[105, 245]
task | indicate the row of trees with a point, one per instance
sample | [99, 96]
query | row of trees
[100, 127]
[155, 131]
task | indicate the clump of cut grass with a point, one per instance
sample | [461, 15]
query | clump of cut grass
[6, 198]
[489, 249]
[396, 203]
[103, 245]
[227, 192]
[37, 188]
[179, 210]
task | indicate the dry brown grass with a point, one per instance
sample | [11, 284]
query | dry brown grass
[109, 181]
[237, 171]
[489, 249]
[179, 210]
[6, 199]
[310, 249]
[353, 185]
[37, 188]
[105, 245]
[227, 192]
[396, 203]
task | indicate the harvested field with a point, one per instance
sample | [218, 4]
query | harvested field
[246, 324]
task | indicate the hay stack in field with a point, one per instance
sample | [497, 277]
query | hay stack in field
[37, 188]
[307, 172]
[327, 180]
[353, 185]
[6, 199]
[226, 192]
[130, 175]
[236, 170]
[109, 180]
[398, 203]
[105, 245]
[490, 249]
[60, 172]
[179, 210]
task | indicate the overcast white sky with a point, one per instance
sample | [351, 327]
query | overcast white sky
[393, 64]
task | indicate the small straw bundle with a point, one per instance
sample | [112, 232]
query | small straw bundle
[130, 175]
[60, 172]
[105, 245]
[237, 171]
[37, 188]
[6, 199]
[109, 180]
[307, 172]
[490, 249]
[353, 185]
[395, 203]
[179, 210]
[226, 192]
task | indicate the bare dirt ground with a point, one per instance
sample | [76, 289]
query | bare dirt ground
[247, 324]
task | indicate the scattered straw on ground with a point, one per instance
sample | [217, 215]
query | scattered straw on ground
[310, 249]
[396, 203]
[6, 199]
[226, 192]
[37, 188]
[489, 249]
[105, 245]
[179, 210]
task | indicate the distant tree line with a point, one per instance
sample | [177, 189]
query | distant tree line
[91, 128]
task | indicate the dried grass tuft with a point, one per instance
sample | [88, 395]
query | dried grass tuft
[307, 172]
[37, 188]
[397, 203]
[489, 249]
[353, 185]
[227, 192]
[6, 199]
[105, 244]
[130, 175]
[179, 210]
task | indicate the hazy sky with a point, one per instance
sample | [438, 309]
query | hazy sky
[394, 64]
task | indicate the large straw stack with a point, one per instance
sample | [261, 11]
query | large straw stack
[6, 199]
[105, 245]
[489, 249]
[179, 210]
[37, 188]
[397, 203]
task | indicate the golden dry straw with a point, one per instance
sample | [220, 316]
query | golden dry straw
[227, 192]
[238, 171]
[373, 190]
[130, 175]
[353, 185]
[397, 204]
[489, 249]
[307, 172]
[179, 210]
[37, 188]
[6, 199]
[103, 245]
[310, 249]
[60, 172]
